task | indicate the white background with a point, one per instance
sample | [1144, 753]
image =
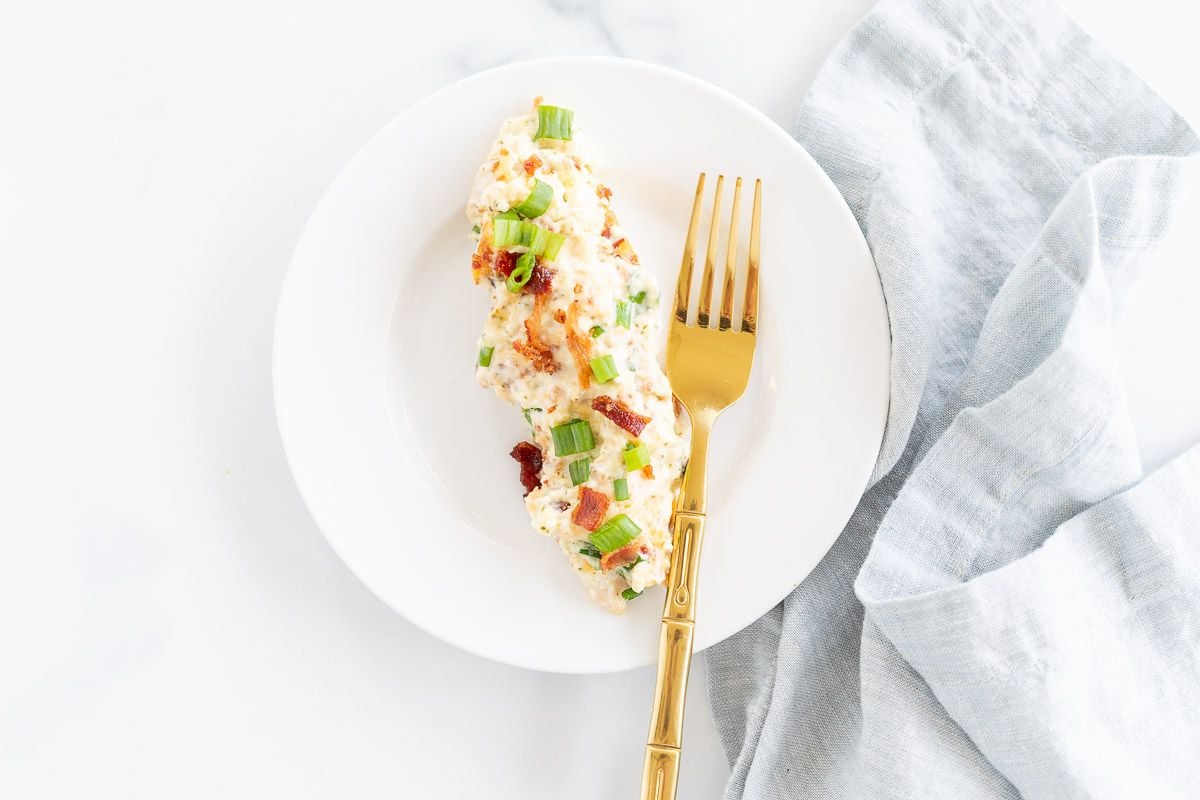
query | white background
[172, 624]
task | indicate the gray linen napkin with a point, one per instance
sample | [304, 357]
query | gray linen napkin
[1013, 610]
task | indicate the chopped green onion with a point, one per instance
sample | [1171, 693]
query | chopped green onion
[474, 229]
[538, 201]
[554, 122]
[572, 437]
[521, 273]
[510, 214]
[621, 489]
[636, 456]
[545, 243]
[596, 331]
[507, 232]
[623, 314]
[580, 469]
[604, 368]
[615, 533]
[485, 356]
[629, 594]
[640, 297]
[589, 551]
[526, 411]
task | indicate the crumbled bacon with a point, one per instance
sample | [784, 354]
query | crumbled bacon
[531, 165]
[540, 280]
[625, 250]
[537, 351]
[609, 221]
[481, 259]
[529, 456]
[505, 262]
[621, 414]
[623, 557]
[648, 471]
[580, 345]
[592, 507]
[603, 192]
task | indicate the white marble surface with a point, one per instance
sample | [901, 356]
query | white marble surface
[173, 625]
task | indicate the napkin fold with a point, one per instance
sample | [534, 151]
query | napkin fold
[1014, 609]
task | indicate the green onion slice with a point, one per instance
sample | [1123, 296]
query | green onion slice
[629, 594]
[554, 122]
[636, 456]
[526, 412]
[580, 469]
[623, 314]
[615, 533]
[572, 437]
[521, 273]
[546, 243]
[604, 368]
[507, 232]
[621, 489]
[485, 356]
[639, 298]
[474, 229]
[589, 551]
[596, 331]
[538, 201]
[510, 214]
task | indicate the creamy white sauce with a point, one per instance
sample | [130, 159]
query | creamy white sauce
[597, 269]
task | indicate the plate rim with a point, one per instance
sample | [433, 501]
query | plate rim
[450, 635]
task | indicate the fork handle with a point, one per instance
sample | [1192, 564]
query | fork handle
[661, 771]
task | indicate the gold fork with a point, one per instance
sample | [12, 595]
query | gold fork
[708, 369]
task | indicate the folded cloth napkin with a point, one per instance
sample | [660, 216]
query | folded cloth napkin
[1013, 610]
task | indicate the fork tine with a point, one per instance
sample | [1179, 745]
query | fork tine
[725, 321]
[710, 258]
[683, 286]
[750, 312]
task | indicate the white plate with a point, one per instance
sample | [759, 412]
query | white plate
[403, 458]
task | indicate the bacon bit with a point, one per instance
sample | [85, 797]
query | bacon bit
[531, 165]
[505, 262]
[625, 250]
[603, 192]
[648, 471]
[621, 414]
[609, 221]
[540, 280]
[529, 456]
[592, 507]
[537, 351]
[579, 344]
[481, 259]
[623, 557]
[560, 316]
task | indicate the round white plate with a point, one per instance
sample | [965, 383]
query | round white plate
[403, 458]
